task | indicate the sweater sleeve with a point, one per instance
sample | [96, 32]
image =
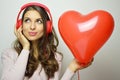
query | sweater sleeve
[68, 73]
[14, 66]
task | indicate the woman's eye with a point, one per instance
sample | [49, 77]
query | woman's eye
[27, 20]
[39, 21]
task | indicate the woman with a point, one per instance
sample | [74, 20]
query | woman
[35, 55]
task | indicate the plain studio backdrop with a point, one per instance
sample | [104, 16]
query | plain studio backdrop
[106, 61]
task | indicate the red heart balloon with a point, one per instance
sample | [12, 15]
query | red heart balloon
[85, 34]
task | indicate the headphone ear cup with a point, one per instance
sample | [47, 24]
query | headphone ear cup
[19, 23]
[49, 26]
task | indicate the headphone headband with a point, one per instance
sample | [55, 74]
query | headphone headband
[36, 4]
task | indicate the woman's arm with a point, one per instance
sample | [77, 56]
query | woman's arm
[14, 66]
[74, 67]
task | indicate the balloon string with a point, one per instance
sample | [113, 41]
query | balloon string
[78, 75]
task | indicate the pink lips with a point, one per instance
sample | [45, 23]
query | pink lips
[32, 33]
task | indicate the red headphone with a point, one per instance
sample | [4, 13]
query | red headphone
[48, 23]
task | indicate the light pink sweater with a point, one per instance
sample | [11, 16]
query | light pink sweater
[14, 67]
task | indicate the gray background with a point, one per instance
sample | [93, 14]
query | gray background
[106, 62]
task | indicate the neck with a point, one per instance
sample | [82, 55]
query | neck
[34, 43]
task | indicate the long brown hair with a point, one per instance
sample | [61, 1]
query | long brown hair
[44, 53]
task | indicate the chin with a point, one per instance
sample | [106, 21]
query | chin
[32, 39]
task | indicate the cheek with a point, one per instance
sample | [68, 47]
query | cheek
[25, 30]
[40, 29]
[25, 27]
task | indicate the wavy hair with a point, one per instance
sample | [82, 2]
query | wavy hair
[44, 53]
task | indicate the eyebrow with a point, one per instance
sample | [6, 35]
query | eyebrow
[40, 18]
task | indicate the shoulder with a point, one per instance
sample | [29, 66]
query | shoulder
[59, 56]
[9, 53]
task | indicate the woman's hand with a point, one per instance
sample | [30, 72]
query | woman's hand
[18, 32]
[75, 65]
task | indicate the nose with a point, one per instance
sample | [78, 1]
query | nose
[32, 27]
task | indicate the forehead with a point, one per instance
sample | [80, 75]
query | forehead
[32, 14]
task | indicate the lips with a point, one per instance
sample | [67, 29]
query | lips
[32, 33]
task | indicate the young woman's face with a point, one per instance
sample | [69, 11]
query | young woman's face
[32, 25]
